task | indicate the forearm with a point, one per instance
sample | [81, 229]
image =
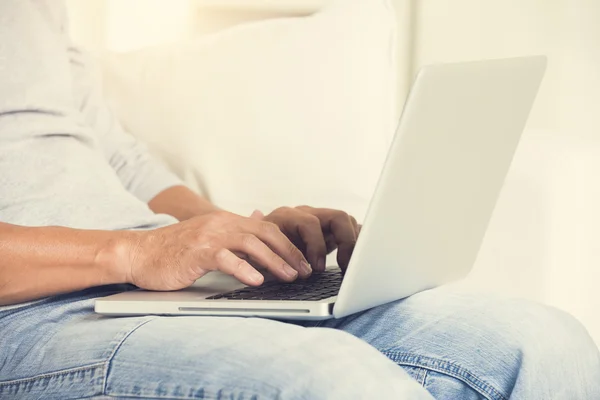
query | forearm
[181, 203]
[45, 261]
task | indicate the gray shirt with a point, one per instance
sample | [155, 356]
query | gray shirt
[64, 158]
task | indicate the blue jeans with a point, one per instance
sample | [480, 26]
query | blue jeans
[441, 344]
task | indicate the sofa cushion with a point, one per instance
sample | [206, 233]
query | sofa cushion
[279, 112]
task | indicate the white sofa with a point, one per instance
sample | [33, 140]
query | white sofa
[285, 111]
[301, 110]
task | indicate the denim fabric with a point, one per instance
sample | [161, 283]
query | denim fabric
[442, 344]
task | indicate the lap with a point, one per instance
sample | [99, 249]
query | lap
[455, 344]
[66, 351]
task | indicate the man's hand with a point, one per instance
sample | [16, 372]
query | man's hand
[173, 257]
[317, 232]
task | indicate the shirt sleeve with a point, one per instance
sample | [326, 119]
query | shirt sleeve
[141, 174]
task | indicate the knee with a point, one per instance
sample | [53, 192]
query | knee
[533, 344]
[514, 346]
[334, 364]
[520, 327]
[545, 349]
[536, 332]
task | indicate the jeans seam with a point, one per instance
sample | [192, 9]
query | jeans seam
[253, 395]
[448, 368]
[108, 362]
[250, 392]
[52, 374]
[422, 376]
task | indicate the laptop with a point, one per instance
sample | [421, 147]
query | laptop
[426, 221]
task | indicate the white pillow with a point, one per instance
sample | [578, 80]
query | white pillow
[280, 112]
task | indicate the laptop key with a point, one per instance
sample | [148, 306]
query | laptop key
[317, 287]
[302, 297]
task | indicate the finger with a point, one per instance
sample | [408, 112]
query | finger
[324, 215]
[262, 254]
[286, 219]
[304, 230]
[330, 243]
[230, 264]
[345, 237]
[309, 230]
[257, 214]
[355, 225]
[273, 237]
[341, 226]
[298, 242]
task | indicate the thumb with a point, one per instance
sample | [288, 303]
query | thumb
[257, 214]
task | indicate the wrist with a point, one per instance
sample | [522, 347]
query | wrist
[114, 258]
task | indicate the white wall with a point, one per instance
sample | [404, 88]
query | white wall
[125, 25]
[88, 23]
[565, 30]
[430, 31]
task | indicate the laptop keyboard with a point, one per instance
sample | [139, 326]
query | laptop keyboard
[317, 287]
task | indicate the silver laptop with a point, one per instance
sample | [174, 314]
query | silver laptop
[459, 130]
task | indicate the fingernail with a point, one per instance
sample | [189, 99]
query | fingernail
[321, 264]
[305, 267]
[256, 277]
[289, 271]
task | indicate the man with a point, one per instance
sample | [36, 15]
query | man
[86, 212]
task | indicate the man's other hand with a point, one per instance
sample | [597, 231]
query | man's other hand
[317, 232]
